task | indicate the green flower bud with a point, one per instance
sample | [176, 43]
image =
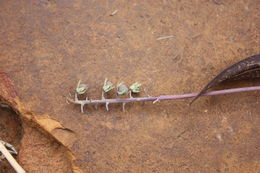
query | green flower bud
[122, 89]
[81, 88]
[107, 86]
[135, 87]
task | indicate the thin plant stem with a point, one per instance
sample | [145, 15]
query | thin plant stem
[161, 97]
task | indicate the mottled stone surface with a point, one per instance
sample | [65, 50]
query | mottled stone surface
[11, 132]
[47, 46]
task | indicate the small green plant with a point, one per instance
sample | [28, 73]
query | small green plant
[122, 89]
[135, 87]
[81, 88]
[108, 86]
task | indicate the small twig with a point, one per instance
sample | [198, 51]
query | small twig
[10, 159]
[162, 97]
[107, 106]
[130, 94]
[113, 13]
[165, 37]
[155, 101]
[123, 105]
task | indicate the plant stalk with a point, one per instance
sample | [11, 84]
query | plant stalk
[161, 97]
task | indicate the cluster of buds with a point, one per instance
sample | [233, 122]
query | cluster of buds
[121, 90]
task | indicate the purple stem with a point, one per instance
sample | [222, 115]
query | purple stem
[164, 97]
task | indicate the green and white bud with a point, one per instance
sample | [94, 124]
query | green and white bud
[81, 88]
[135, 87]
[122, 89]
[108, 86]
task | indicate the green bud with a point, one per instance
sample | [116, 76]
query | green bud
[81, 88]
[107, 86]
[135, 87]
[122, 89]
